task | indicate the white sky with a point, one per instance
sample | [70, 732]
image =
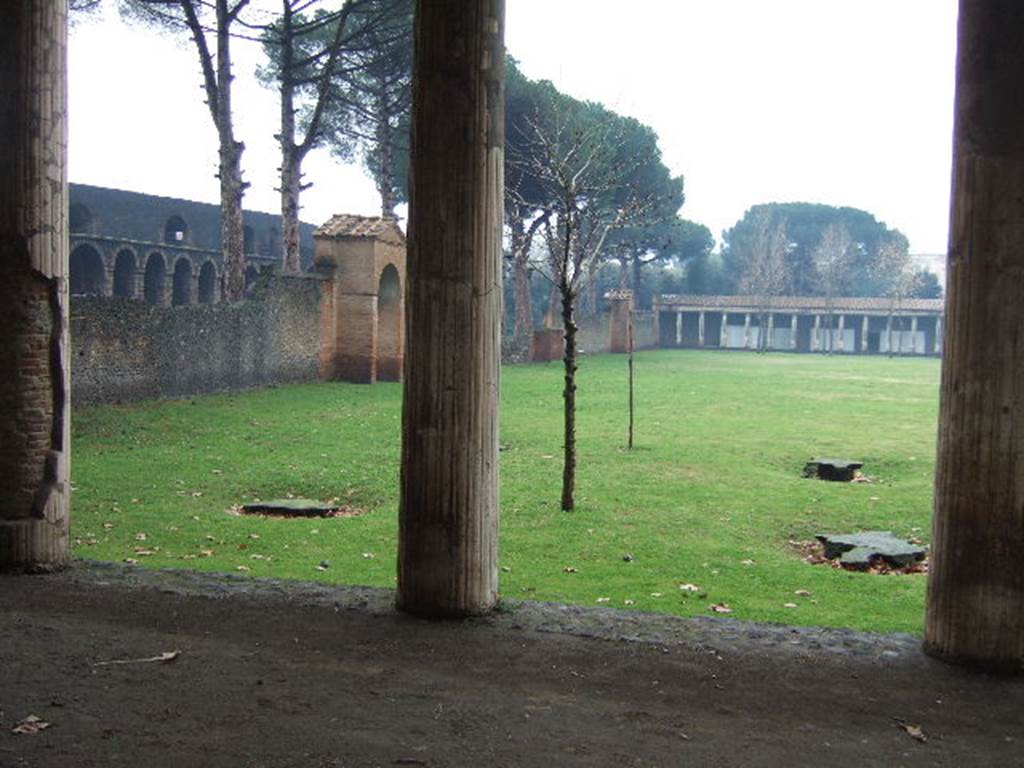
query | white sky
[845, 102]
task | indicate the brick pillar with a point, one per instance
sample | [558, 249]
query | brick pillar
[356, 351]
[618, 331]
[34, 386]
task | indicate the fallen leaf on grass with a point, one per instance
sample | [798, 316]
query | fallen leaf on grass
[570, 569]
[789, 605]
[143, 552]
[803, 592]
[657, 594]
[720, 608]
[748, 562]
[913, 731]
[131, 561]
[627, 601]
[689, 588]
[242, 568]
[108, 526]
[206, 553]
[164, 658]
[29, 725]
[628, 557]
[140, 536]
[368, 555]
[603, 599]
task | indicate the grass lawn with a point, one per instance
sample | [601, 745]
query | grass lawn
[711, 495]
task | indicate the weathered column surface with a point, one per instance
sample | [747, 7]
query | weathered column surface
[679, 329]
[976, 581]
[448, 512]
[700, 329]
[34, 413]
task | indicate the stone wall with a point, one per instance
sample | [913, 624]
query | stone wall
[594, 335]
[126, 350]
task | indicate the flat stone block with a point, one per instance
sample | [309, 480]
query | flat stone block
[858, 549]
[836, 470]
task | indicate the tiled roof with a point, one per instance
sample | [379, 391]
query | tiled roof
[805, 303]
[349, 225]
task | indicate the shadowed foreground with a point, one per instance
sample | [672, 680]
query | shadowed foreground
[291, 674]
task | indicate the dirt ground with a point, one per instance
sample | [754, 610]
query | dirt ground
[273, 674]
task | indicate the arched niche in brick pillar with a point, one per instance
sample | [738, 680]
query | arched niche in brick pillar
[362, 336]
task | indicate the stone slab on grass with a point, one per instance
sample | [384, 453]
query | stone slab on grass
[837, 470]
[289, 508]
[858, 549]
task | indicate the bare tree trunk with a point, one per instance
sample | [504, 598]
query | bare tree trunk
[976, 582]
[521, 282]
[448, 512]
[386, 177]
[569, 395]
[291, 189]
[291, 155]
[34, 403]
[232, 188]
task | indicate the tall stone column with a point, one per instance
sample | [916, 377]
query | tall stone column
[841, 344]
[913, 335]
[723, 332]
[746, 331]
[816, 334]
[700, 329]
[769, 342]
[975, 581]
[938, 335]
[864, 334]
[448, 509]
[793, 328]
[34, 387]
[679, 329]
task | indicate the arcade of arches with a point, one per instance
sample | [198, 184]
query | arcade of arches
[447, 562]
[151, 276]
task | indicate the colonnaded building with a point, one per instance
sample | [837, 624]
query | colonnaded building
[801, 324]
[163, 250]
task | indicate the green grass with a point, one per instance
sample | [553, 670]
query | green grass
[713, 481]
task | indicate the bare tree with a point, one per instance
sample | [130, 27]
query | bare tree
[209, 21]
[305, 55]
[895, 269]
[766, 270]
[832, 257]
[579, 157]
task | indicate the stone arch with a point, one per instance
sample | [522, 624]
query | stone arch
[155, 279]
[208, 283]
[175, 230]
[182, 282]
[79, 218]
[124, 274]
[389, 324]
[88, 276]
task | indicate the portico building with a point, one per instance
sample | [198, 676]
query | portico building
[801, 324]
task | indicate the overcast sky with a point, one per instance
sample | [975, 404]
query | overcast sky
[846, 102]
